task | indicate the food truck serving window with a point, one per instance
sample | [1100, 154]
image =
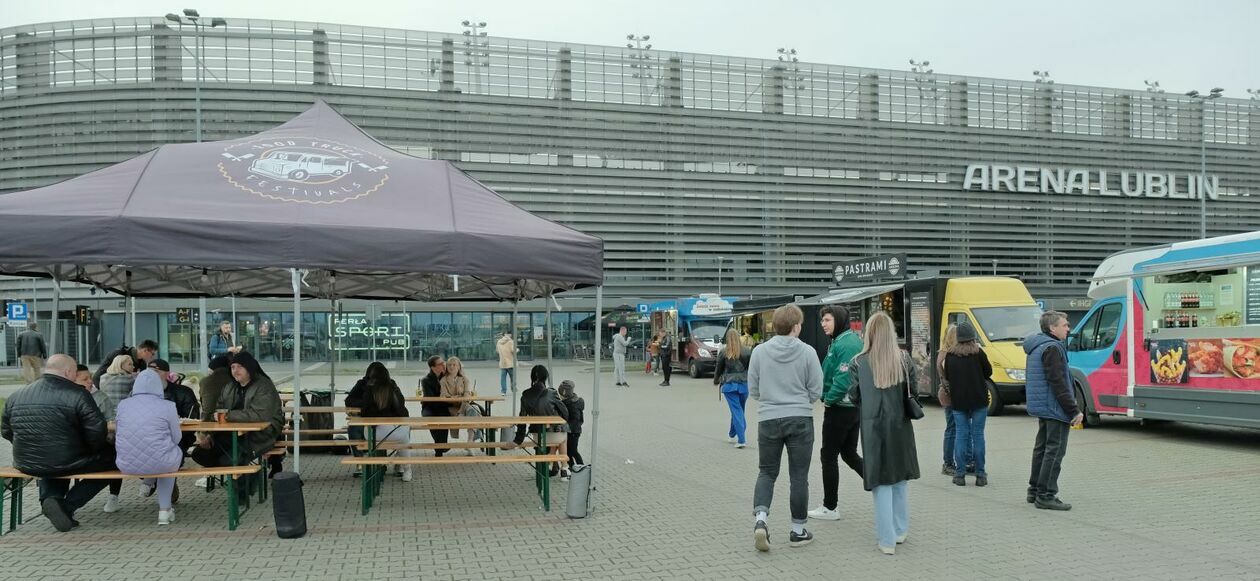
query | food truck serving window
[1212, 299]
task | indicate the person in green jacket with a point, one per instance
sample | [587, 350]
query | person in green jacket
[840, 417]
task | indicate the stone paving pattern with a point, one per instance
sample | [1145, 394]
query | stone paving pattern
[1168, 501]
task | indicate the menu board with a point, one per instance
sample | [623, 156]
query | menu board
[1253, 296]
[920, 339]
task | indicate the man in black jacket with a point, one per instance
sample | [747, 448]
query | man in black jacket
[141, 356]
[431, 386]
[186, 404]
[57, 430]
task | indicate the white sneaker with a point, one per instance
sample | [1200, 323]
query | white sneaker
[738, 445]
[824, 513]
[200, 483]
[732, 439]
[111, 504]
[406, 474]
[166, 517]
[564, 476]
[147, 490]
[468, 452]
[902, 538]
[888, 550]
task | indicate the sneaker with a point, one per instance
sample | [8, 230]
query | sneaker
[732, 439]
[564, 476]
[888, 550]
[1032, 497]
[406, 474]
[166, 517]
[1052, 503]
[901, 539]
[111, 504]
[468, 452]
[200, 483]
[947, 470]
[57, 514]
[971, 469]
[824, 513]
[761, 536]
[147, 490]
[740, 444]
[960, 480]
[664, 384]
[795, 540]
[982, 480]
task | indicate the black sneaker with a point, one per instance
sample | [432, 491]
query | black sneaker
[960, 480]
[1032, 497]
[761, 536]
[1052, 503]
[664, 384]
[982, 480]
[795, 540]
[57, 515]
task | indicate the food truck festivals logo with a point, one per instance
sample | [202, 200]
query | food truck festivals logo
[303, 169]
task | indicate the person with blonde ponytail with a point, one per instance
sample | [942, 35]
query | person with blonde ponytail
[880, 384]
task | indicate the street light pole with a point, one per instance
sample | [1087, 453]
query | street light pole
[1203, 101]
[193, 18]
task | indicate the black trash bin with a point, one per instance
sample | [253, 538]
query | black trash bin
[289, 504]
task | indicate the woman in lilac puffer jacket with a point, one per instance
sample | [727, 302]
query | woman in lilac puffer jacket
[147, 438]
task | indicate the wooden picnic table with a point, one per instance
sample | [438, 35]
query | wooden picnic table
[374, 468]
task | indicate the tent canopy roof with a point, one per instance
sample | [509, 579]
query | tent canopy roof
[231, 217]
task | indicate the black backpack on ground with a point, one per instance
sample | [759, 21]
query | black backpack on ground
[289, 505]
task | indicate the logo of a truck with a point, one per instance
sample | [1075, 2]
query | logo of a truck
[297, 166]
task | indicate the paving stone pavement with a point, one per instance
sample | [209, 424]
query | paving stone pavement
[1169, 501]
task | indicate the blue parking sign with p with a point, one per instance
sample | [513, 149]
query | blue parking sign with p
[16, 312]
[643, 308]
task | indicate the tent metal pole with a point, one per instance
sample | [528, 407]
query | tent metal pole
[516, 295]
[332, 357]
[297, 370]
[236, 325]
[204, 358]
[129, 314]
[52, 328]
[551, 370]
[599, 312]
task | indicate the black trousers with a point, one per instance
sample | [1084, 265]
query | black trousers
[1047, 461]
[74, 497]
[840, 431]
[571, 449]
[667, 366]
[439, 436]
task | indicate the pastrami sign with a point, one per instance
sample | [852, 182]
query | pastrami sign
[1088, 181]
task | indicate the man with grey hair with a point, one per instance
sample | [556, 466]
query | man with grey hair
[1052, 400]
[57, 430]
[31, 352]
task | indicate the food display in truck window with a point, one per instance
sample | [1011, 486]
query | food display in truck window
[1168, 362]
[1207, 357]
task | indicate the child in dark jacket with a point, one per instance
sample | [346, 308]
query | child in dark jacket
[576, 407]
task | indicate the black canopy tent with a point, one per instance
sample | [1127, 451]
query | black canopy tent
[314, 207]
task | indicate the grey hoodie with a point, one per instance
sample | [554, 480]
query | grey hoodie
[785, 377]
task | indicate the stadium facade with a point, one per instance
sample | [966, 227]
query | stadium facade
[691, 167]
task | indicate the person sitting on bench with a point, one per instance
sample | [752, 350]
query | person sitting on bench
[540, 400]
[57, 430]
[250, 397]
[148, 439]
[383, 399]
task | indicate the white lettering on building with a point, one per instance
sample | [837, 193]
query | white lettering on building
[1083, 181]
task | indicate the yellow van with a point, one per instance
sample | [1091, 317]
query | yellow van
[1000, 308]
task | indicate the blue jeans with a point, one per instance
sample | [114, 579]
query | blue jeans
[969, 439]
[736, 395]
[950, 431]
[892, 512]
[504, 374]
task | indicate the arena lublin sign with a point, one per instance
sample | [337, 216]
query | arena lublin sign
[1087, 181]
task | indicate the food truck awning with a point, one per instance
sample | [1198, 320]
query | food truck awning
[849, 295]
[1210, 254]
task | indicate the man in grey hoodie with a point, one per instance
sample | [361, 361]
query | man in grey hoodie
[784, 376]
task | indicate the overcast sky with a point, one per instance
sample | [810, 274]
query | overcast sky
[1113, 43]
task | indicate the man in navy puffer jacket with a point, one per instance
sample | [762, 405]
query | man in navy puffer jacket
[1052, 401]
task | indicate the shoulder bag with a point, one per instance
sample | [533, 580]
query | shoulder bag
[914, 411]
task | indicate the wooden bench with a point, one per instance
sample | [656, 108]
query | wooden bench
[322, 443]
[319, 432]
[230, 473]
[387, 446]
[374, 465]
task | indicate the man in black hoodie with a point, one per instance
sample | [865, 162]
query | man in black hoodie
[431, 386]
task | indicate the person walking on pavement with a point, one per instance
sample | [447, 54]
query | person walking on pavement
[967, 370]
[667, 354]
[222, 340]
[785, 378]
[506, 348]
[620, 342]
[731, 377]
[840, 418]
[31, 352]
[57, 430]
[880, 383]
[1051, 400]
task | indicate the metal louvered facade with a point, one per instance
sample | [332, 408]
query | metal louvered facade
[674, 159]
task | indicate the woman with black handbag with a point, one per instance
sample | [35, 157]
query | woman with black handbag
[882, 384]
